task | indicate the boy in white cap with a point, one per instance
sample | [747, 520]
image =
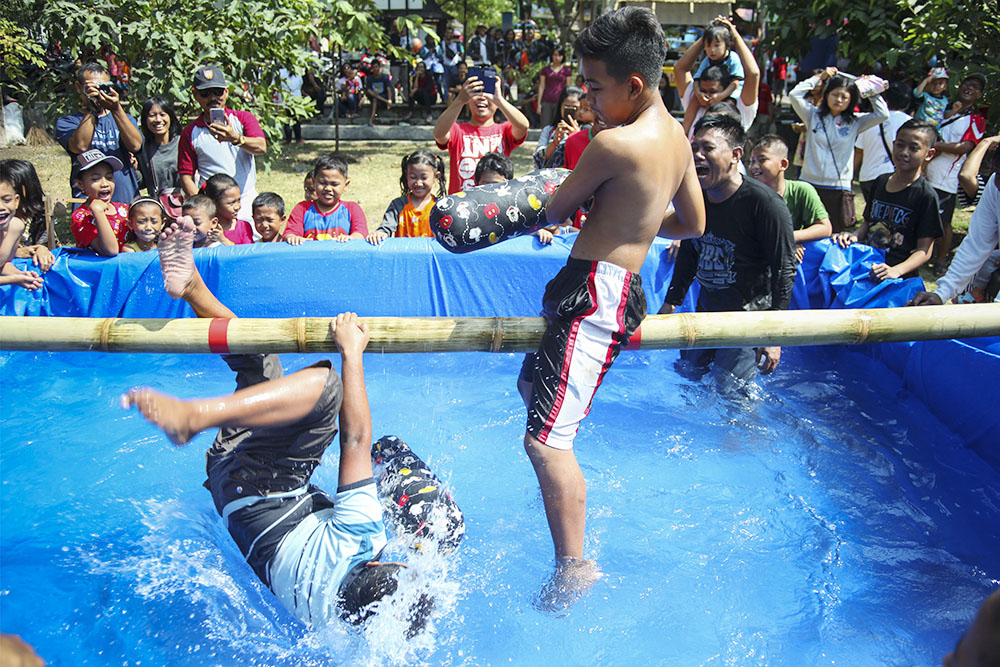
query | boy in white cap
[99, 224]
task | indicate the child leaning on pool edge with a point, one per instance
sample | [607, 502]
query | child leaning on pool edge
[100, 223]
[11, 228]
[329, 217]
[902, 216]
[145, 220]
[269, 216]
[408, 216]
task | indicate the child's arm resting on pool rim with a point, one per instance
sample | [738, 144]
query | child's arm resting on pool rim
[687, 218]
[351, 336]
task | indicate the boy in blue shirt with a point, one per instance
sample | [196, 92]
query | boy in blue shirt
[929, 93]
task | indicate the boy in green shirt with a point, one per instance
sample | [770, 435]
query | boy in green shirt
[768, 162]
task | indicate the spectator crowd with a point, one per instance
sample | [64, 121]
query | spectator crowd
[917, 149]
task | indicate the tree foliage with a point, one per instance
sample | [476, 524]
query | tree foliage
[475, 12]
[901, 35]
[17, 52]
[869, 32]
[564, 13]
[164, 41]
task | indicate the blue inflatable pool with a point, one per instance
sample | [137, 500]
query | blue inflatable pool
[845, 514]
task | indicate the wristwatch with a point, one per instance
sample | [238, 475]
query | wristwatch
[242, 141]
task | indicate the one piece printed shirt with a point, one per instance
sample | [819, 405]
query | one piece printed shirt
[307, 221]
[84, 227]
[897, 220]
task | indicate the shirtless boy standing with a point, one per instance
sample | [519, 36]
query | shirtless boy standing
[633, 170]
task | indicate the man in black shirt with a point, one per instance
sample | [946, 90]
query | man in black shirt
[746, 258]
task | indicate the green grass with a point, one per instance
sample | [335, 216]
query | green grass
[374, 172]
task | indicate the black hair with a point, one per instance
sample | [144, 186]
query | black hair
[198, 203]
[331, 161]
[23, 179]
[90, 68]
[840, 81]
[167, 108]
[716, 73]
[721, 33]
[424, 157]
[727, 107]
[497, 163]
[561, 50]
[218, 184]
[898, 95]
[928, 129]
[364, 586]
[269, 200]
[773, 143]
[628, 41]
[309, 174]
[570, 91]
[729, 127]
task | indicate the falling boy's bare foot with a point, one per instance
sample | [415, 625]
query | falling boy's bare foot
[173, 416]
[176, 259]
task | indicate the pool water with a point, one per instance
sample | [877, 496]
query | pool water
[829, 519]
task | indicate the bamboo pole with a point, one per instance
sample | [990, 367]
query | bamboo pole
[495, 334]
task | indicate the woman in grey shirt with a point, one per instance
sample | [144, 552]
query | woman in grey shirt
[158, 159]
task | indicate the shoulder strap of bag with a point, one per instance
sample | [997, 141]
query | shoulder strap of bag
[885, 144]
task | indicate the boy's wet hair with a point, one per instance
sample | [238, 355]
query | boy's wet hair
[898, 95]
[923, 127]
[840, 81]
[331, 161]
[364, 586]
[90, 68]
[270, 200]
[716, 73]
[774, 144]
[628, 41]
[218, 184]
[727, 126]
[718, 33]
[199, 202]
[497, 163]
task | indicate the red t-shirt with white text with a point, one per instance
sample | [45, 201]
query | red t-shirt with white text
[467, 143]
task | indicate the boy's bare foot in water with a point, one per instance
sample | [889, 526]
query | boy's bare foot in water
[174, 417]
[176, 259]
[571, 580]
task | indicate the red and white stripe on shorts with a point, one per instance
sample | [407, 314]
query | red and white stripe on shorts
[591, 347]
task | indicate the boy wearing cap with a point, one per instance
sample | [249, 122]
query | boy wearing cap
[99, 224]
[225, 144]
[101, 123]
[930, 95]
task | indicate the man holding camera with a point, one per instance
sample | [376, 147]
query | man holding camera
[102, 123]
